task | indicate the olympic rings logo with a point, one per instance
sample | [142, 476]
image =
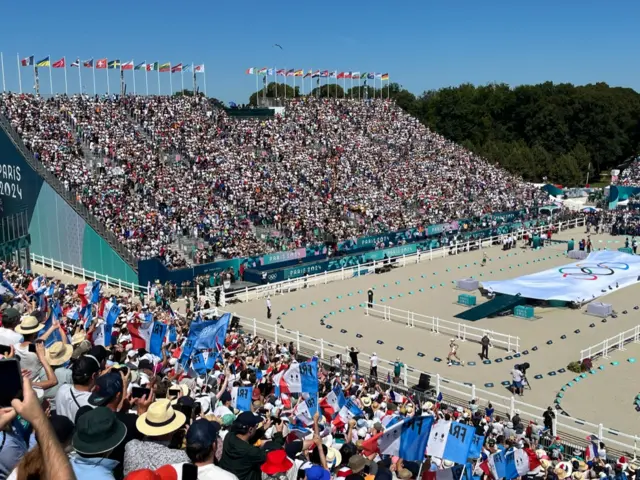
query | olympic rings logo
[591, 271]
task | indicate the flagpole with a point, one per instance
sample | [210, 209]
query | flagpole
[388, 88]
[204, 72]
[4, 85]
[50, 76]
[193, 72]
[158, 71]
[256, 75]
[108, 86]
[66, 89]
[19, 72]
[182, 79]
[133, 72]
[93, 71]
[146, 78]
[80, 74]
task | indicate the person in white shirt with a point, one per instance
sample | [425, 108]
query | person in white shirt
[268, 307]
[374, 365]
[223, 409]
[70, 398]
[516, 377]
[10, 320]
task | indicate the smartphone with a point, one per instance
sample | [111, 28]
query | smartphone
[32, 347]
[187, 410]
[139, 392]
[4, 349]
[11, 379]
[174, 392]
[189, 471]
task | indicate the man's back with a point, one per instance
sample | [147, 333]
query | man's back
[241, 459]
[140, 454]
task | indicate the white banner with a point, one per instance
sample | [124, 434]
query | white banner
[600, 273]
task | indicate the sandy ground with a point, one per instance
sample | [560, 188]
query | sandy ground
[340, 304]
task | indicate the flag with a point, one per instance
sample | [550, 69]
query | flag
[88, 63]
[95, 291]
[334, 400]
[453, 473]
[49, 291]
[45, 62]
[198, 363]
[291, 72]
[340, 75]
[186, 68]
[250, 71]
[451, 441]
[333, 74]
[59, 64]
[324, 73]
[127, 65]
[156, 340]
[371, 76]
[308, 74]
[270, 72]
[591, 453]
[37, 285]
[212, 337]
[7, 287]
[113, 64]
[27, 61]
[165, 67]
[414, 437]
[140, 334]
[173, 334]
[302, 413]
[298, 73]
[494, 465]
[526, 460]
[476, 446]
[363, 76]
[349, 411]
[241, 398]
[262, 71]
[281, 71]
[378, 75]
[176, 68]
[76, 63]
[315, 74]
[101, 63]
[152, 67]
[55, 335]
[355, 75]
[347, 75]
[384, 76]
[141, 66]
[111, 312]
[89, 292]
[199, 68]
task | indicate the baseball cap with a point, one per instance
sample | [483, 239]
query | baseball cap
[248, 419]
[225, 397]
[316, 472]
[106, 388]
[202, 432]
[10, 315]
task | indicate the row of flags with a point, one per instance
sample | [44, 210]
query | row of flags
[104, 63]
[317, 74]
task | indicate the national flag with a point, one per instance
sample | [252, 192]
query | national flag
[333, 74]
[262, 71]
[591, 453]
[308, 74]
[113, 64]
[347, 74]
[298, 378]
[396, 397]
[50, 290]
[59, 64]
[453, 473]
[37, 285]
[291, 72]
[176, 68]
[270, 72]
[526, 460]
[355, 75]
[302, 413]
[212, 337]
[141, 66]
[324, 73]
[340, 75]
[73, 313]
[152, 67]
[7, 287]
[140, 334]
[27, 61]
[88, 63]
[334, 400]
[45, 62]
[281, 71]
[54, 336]
[378, 75]
[451, 441]
[371, 75]
[165, 67]
[127, 65]
[298, 73]
[95, 291]
[250, 71]
[76, 63]
[84, 292]
[111, 312]
[384, 76]
[101, 63]
[476, 446]
[199, 364]
[363, 76]
[348, 411]
[494, 466]
[199, 68]
[407, 439]
[315, 74]
[241, 398]
[186, 68]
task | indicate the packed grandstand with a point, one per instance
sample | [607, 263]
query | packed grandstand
[326, 170]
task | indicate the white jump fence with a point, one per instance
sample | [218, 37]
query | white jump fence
[455, 391]
[286, 286]
[462, 331]
[617, 342]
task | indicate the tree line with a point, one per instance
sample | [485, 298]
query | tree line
[557, 132]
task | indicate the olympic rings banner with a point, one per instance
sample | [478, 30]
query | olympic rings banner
[600, 273]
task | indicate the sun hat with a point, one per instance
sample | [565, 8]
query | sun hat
[545, 463]
[582, 466]
[366, 401]
[563, 470]
[184, 390]
[80, 349]
[28, 325]
[357, 463]
[98, 431]
[58, 353]
[160, 419]
[277, 462]
[333, 457]
[78, 337]
[106, 388]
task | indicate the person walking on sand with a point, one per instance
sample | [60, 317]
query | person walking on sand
[453, 349]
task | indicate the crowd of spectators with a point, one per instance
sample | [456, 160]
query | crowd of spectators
[325, 170]
[85, 410]
[630, 176]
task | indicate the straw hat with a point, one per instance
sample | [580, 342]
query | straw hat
[545, 463]
[577, 476]
[582, 465]
[184, 390]
[160, 419]
[78, 337]
[334, 457]
[366, 401]
[427, 406]
[563, 470]
[58, 353]
[29, 325]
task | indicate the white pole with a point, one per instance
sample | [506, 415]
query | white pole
[182, 78]
[108, 86]
[50, 76]
[80, 74]
[4, 85]
[193, 72]
[19, 72]
[66, 89]
[93, 71]
[205, 79]
[170, 80]
[146, 78]
[158, 78]
[133, 72]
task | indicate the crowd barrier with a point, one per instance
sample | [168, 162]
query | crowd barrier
[461, 331]
[280, 288]
[454, 392]
[617, 342]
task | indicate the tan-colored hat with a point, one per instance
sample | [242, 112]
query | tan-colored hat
[78, 337]
[160, 419]
[29, 325]
[563, 470]
[58, 353]
[184, 390]
[366, 401]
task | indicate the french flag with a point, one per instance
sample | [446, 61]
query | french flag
[84, 292]
[526, 460]
[50, 290]
[111, 312]
[592, 449]
[333, 402]
[37, 285]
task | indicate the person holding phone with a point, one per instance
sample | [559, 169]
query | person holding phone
[70, 398]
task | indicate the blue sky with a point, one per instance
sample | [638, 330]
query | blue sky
[421, 44]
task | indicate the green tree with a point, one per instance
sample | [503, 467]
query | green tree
[331, 90]
[275, 90]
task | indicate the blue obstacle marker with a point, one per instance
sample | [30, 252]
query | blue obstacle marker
[538, 377]
[576, 331]
[433, 286]
[411, 279]
[448, 270]
[436, 359]
[420, 354]
[631, 360]
[535, 349]
[506, 383]
[362, 305]
[468, 384]
[569, 384]
[500, 269]
[471, 364]
[526, 352]
[303, 306]
[624, 312]
[583, 375]
[516, 355]
[556, 401]
[563, 388]
[508, 357]
[349, 294]
[549, 342]
[328, 326]
[399, 348]
[384, 285]
[422, 276]
[498, 360]
[359, 291]
[400, 295]
[488, 385]
[456, 364]
[442, 284]
[475, 263]
[604, 320]
[293, 309]
[601, 367]
[283, 313]
[592, 325]
[636, 307]
[358, 335]
[615, 363]
[382, 300]
[352, 307]
[326, 300]
[561, 370]
[551, 374]
[563, 337]
[577, 379]
[559, 395]
[593, 372]
[481, 275]
[397, 282]
[421, 290]
[332, 313]
[343, 331]
[452, 281]
[435, 273]
[410, 292]
[486, 362]
[392, 297]
[379, 342]
[313, 303]
[325, 316]
[339, 296]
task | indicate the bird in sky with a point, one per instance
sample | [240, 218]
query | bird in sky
[278, 45]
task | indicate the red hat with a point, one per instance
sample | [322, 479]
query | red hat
[277, 462]
[163, 473]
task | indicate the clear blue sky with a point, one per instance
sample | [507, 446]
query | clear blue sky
[421, 44]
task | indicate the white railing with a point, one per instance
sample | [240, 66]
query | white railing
[437, 325]
[286, 286]
[463, 392]
[616, 342]
[72, 270]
